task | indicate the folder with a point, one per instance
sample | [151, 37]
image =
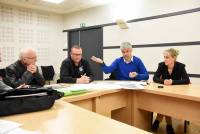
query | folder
[68, 92]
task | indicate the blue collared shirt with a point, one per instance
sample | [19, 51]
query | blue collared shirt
[129, 61]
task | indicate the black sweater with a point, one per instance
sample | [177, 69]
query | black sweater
[178, 75]
[69, 72]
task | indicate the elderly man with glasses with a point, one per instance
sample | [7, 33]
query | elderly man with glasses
[24, 72]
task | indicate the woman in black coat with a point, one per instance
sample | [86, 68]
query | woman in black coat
[169, 72]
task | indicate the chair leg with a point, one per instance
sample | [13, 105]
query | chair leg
[151, 118]
[185, 126]
[186, 123]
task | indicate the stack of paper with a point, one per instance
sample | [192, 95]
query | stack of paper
[107, 85]
[22, 131]
[9, 127]
[94, 86]
[103, 85]
[131, 85]
[55, 86]
[135, 85]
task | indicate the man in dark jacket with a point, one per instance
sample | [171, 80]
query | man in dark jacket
[24, 72]
[75, 69]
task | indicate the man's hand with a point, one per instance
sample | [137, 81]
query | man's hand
[168, 82]
[132, 74]
[97, 60]
[83, 80]
[32, 68]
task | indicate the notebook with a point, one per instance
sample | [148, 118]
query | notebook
[68, 92]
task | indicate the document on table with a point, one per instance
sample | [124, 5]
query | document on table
[92, 86]
[22, 131]
[135, 85]
[107, 85]
[10, 127]
[56, 86]
[7, 126]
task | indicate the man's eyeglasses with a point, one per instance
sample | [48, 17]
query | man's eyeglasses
[31, 58]
[76, 54]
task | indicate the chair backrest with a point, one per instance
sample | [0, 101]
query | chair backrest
[58, 81]
[2, 73]
[112, 76]
[48, 72]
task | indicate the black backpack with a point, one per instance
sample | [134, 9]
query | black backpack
[16, 101]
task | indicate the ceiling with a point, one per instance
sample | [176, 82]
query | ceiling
[65, 7]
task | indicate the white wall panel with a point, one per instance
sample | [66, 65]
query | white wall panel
[183, 28]
[21, 27]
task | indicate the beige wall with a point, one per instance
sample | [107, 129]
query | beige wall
[137, 9]
[20, 27]
[183, 28]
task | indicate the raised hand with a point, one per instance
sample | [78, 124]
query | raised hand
[97, 60]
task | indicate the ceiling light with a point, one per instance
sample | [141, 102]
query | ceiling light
[54, 1]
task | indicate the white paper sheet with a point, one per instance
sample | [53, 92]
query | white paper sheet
[107, 85]
[92, 86]
[8, 126]
[22, 131]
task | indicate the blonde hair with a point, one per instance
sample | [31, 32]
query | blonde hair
[173, 52]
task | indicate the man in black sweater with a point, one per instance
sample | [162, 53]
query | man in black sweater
[75, 69]
[24, 72]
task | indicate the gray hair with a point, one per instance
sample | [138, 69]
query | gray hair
[125, 45]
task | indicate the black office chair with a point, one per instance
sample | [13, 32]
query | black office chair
[2, 73]
[186, 123]
[112, 76]
[48, 73]
[58, 81]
